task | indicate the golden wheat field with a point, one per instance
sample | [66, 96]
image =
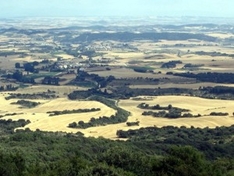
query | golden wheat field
[194, 104]
[41, 120]
[155, 55]
[61, 91]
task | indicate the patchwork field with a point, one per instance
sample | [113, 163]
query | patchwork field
[41, 120]
[138, 62]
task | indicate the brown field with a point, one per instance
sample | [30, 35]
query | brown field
[26, 59]
[61, 91]
[65, 56]
[123, 73]
[8, 62]
[66, 78]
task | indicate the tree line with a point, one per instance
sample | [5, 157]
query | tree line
[119, 117]
[56, 113]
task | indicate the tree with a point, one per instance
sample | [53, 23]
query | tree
[29, 67]
[17, 75]
[35, 63]
[127, 159]
[72, 125]
[81, 123]
[169, 106]
[183, 161]
[17, 65]
[12, 164]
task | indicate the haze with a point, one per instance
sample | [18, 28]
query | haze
[62, 8]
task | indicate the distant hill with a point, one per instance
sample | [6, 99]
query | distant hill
[127, 36]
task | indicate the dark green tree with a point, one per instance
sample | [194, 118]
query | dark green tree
[183, 161]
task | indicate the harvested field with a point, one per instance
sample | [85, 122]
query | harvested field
[66, 78]
[27, 59]
[65, 56]
[121, 59]
[59, 90]
[41, 120]
[124, 73]
[186, 86]
[196, 105]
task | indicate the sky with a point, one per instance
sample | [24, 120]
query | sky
[73, 8]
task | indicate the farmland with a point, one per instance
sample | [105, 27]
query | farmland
[88, 96]
[62, 73]
[40, 119]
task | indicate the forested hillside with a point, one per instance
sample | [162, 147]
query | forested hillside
[43, 153]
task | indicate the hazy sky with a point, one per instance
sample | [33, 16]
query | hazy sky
[41, 8]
